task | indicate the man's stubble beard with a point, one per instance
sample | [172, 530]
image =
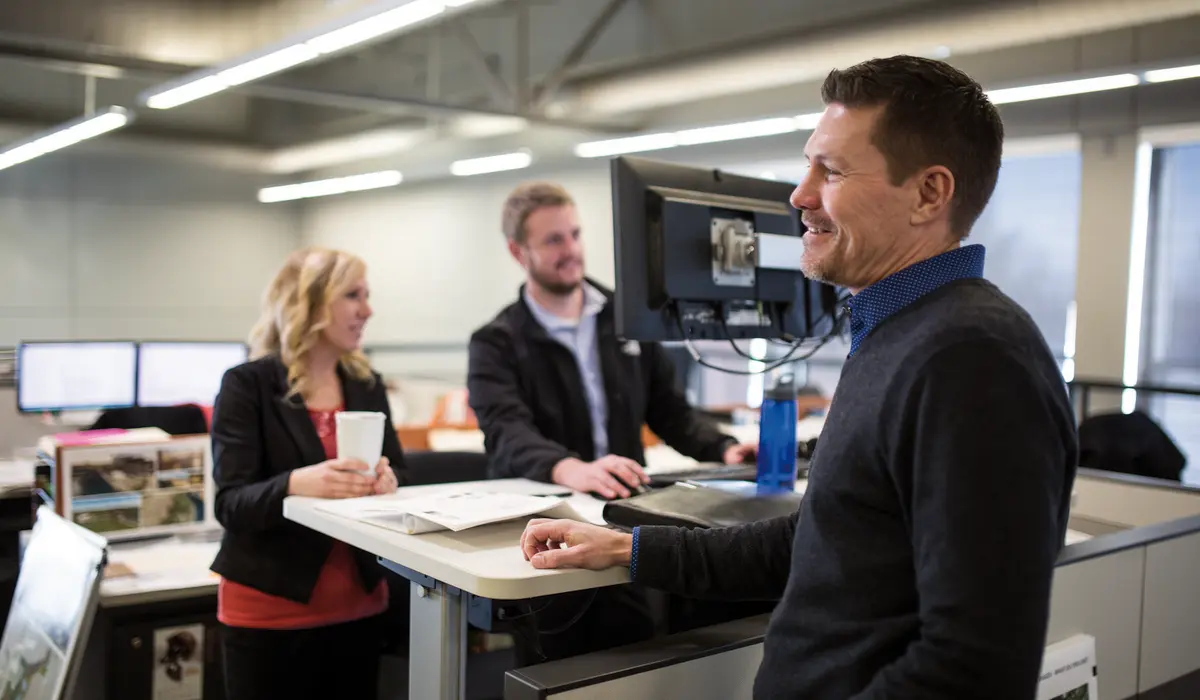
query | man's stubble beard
[553, 287]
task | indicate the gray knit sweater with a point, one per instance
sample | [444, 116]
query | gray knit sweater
[920, 562]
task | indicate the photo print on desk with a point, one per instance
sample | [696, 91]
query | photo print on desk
[52, 609]
[32, 667]
[155, 487]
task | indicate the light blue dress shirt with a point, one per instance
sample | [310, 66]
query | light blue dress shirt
[580, 338]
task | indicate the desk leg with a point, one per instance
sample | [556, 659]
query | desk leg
[437, 649]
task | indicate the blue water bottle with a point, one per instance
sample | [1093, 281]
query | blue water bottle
[777, 436]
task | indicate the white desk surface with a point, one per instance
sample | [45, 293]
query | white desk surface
[485, 561]
[162, 570]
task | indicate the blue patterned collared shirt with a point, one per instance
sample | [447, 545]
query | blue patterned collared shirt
[876, 303]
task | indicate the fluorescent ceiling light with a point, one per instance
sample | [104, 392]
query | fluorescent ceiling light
[1168, 74]
[627, 144]
[690, 137]
[1068, 87]
[336, 185]
[805, 122]
[372, 27]
[734, 132]
[341, 150]
[491, 164]
[64, 135]
[383, 18]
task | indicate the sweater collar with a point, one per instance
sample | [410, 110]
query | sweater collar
[875, 304]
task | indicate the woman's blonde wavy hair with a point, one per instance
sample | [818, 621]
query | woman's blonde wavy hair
[296, 311]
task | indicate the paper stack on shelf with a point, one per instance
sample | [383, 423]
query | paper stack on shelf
[110, 436]
[454, 509]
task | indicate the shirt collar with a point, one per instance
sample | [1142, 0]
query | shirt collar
[876, 303]
[593, 303]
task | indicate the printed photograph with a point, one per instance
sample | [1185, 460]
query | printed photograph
[172, 508]
[120, 473]
[111, 513]
[181, 469]
[58, 573]
[30, 667]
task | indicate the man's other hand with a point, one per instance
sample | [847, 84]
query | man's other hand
[609, 476]
[741, 453]
[567, 544]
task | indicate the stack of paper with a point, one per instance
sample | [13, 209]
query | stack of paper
[451, 510]
[109, 436]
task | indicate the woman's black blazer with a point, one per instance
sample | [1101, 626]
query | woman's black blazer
[258, 438]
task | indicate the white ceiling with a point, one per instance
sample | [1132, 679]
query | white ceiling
[547, 74]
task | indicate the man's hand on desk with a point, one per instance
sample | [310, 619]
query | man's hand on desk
[567, 544]
[740, 453]
[609, 476]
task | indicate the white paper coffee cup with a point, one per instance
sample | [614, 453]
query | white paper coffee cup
[360, 436]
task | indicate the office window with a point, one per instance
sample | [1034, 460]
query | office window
[1171, 322]
[1030, 229]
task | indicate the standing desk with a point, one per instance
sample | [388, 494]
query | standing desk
[446, 569]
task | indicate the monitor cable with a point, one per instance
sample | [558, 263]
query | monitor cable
[839, 322]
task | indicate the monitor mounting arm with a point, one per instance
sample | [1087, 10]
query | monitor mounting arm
[739, 252]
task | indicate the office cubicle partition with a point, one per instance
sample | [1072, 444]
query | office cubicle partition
[1134, 586]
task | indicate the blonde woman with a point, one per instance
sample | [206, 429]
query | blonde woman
[301, 612]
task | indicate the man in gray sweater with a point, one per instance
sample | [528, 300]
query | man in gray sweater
[920, 561]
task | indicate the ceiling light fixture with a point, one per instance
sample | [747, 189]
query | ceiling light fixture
[331, 186]
[379, 20]
[1062, 89]
[691, 137]
[491, 164]
[1168, 74]
[64, 135]
[806, 122]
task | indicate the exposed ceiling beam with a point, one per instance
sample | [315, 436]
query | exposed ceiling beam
[127, 68]
[498, 88]
[549, 87]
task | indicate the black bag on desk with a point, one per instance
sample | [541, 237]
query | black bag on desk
[694, 505]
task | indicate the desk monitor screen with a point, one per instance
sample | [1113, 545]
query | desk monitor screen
[75, 376]
[706, 255]
[170, 374]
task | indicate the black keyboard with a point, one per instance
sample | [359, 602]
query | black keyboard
[703, 472]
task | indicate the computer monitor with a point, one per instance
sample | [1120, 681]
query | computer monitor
[76, 376]
[703, 254]
[174, 373]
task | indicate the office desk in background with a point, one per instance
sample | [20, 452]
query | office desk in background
[153, 590]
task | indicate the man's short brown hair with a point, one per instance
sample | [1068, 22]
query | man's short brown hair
[933, 114]
[526, 199]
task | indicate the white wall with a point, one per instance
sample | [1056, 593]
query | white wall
[109, 247]
[439, 266]
[104, 247]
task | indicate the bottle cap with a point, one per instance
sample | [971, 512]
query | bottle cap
[781, 388]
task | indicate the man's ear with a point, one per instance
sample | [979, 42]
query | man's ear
[518, 253]
[933, 195]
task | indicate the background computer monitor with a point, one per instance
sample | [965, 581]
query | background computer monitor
[664, 217]
[69, 376]
[174, 373]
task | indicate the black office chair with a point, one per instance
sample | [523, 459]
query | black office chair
[1129, 444]
[430, 467]
[175, 420]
